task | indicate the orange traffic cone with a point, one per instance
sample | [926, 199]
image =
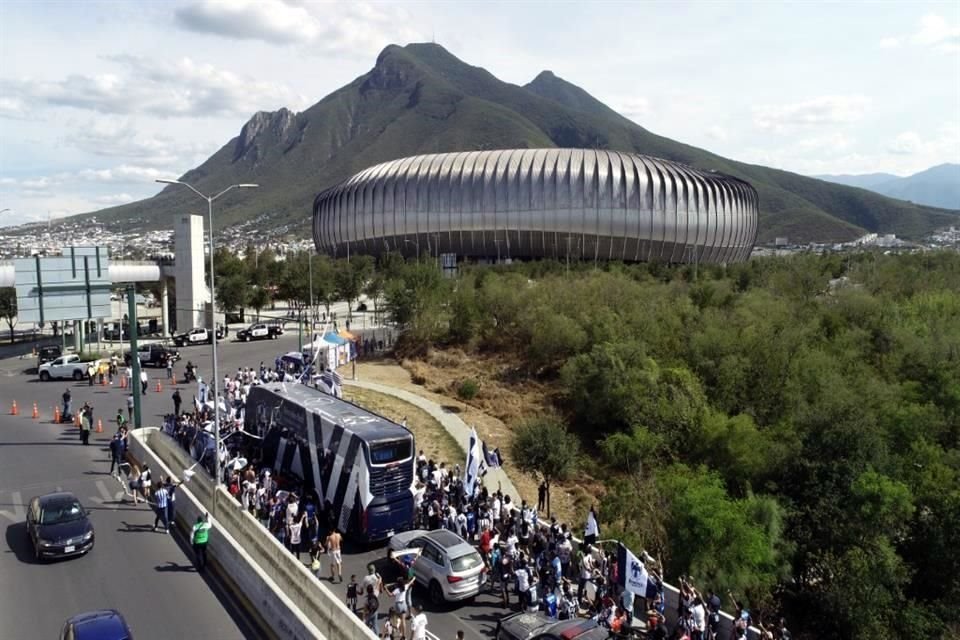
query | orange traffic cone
[99, 425]
[103, 381]
[174, 378]
[13, 410]
[76, 420]
[123, 382]
[36, 412]
[56, 415]
[159, 387]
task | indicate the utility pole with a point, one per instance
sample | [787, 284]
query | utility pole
[135, 384]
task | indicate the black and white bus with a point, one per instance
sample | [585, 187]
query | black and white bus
[359, 462]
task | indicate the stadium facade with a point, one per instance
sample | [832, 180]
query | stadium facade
[578, 204]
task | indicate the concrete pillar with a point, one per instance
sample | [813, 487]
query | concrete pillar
[188, 271]
[164, 306]
[77, 337]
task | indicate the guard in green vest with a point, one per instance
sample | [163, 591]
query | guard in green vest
[200, 535]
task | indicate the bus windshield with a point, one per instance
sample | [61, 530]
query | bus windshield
[387, 452]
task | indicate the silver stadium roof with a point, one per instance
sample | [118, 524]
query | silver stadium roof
[536, 203]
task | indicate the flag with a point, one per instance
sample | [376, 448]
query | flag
[492, 458]
[474, 466]
[633, 574]
[407, 556]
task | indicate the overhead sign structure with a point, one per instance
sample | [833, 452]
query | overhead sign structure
[74, 286]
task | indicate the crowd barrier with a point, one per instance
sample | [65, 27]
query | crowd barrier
[282, 593]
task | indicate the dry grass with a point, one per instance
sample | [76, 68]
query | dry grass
[430, 435]
[503, 400]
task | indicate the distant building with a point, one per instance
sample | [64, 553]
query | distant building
[780, 241]
[579, 204]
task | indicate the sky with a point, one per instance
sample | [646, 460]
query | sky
[98, 99]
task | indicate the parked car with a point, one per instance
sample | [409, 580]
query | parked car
[527, 626]
[48, 353]
[105, 624]
[66, 366]
[200, 335]
[114, 332]
[260, 331]
[153, 355]
[58, 526]
[448, 566]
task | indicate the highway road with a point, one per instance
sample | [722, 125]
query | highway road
[148, 565]
[147, 576]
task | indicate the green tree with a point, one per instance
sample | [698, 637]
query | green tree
[350, 277]
[259, 298]
[233, 292]
[8, 308]
[544, 447]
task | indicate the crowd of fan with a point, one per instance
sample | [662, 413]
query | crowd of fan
[530, 564]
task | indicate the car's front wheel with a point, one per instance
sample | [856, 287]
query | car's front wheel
[77, 374]
[44, 376]
[436, 593]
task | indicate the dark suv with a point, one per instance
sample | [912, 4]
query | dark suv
[48, 353]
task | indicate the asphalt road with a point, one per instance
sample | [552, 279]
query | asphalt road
[55, 459]
[147, 576]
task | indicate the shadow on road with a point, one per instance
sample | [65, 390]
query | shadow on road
[18, 542]
[173, 566]
[137, 528]
[75, 441]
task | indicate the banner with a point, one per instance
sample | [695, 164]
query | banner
[474, 462]
[632, 572]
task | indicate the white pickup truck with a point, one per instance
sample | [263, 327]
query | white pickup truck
[66, 366]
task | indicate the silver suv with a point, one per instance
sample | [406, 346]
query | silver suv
[448, 566]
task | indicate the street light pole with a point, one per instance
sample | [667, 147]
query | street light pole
[213, 321]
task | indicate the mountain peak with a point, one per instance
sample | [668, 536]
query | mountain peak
[269, 127]
[549, 85]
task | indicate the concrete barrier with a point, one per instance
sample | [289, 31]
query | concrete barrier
[276, 586]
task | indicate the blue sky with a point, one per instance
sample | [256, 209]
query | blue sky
[98, 99]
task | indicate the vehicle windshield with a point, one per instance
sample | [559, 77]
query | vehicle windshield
[58, 512]
[388, 452]
[467, 562]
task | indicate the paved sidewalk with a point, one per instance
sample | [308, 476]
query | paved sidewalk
[452, 423]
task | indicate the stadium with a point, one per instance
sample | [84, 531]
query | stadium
[567, 204]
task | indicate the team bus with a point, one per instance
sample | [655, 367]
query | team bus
[357, 461]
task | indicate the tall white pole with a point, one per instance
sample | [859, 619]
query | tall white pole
[213, 341]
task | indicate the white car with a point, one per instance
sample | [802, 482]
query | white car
[446, 565]
[66, 366]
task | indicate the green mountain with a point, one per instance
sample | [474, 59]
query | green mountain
[422, 99]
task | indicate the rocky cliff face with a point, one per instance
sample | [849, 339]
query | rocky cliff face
[264, 130]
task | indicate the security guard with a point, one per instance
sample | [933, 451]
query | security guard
[200, 536]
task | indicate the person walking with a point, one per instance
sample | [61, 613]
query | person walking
[160, 503]
[177, 401]
[130, 408]
[92, 373]
[371, 610]
[116, 453]
[169, 368]
[592, 531]
[334, 541]
[146, 482]
[542, 496]
[85, 416]
[67, 405]
[199, 536]
[144, 381]
[418, 624]
[171, 487]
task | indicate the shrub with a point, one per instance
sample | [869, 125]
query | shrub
[468, 389]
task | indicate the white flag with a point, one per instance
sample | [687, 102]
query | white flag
[471, 471]
[633, 574]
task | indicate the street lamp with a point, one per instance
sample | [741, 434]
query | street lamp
[213, 313]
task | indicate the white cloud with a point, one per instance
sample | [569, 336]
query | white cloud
[823, 110]
[905, 143]
[120, 138]
[833, 141]
[716, 132]
[936, 32]
[184, 88]
[117, 198]
[123, 173]
[353, 28]
[932, 31]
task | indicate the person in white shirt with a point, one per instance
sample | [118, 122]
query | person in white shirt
[592, 530]
[495, 510]
[418, 626]
[523, 585]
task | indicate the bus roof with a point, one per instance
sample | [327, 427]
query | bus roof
[366, 424]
